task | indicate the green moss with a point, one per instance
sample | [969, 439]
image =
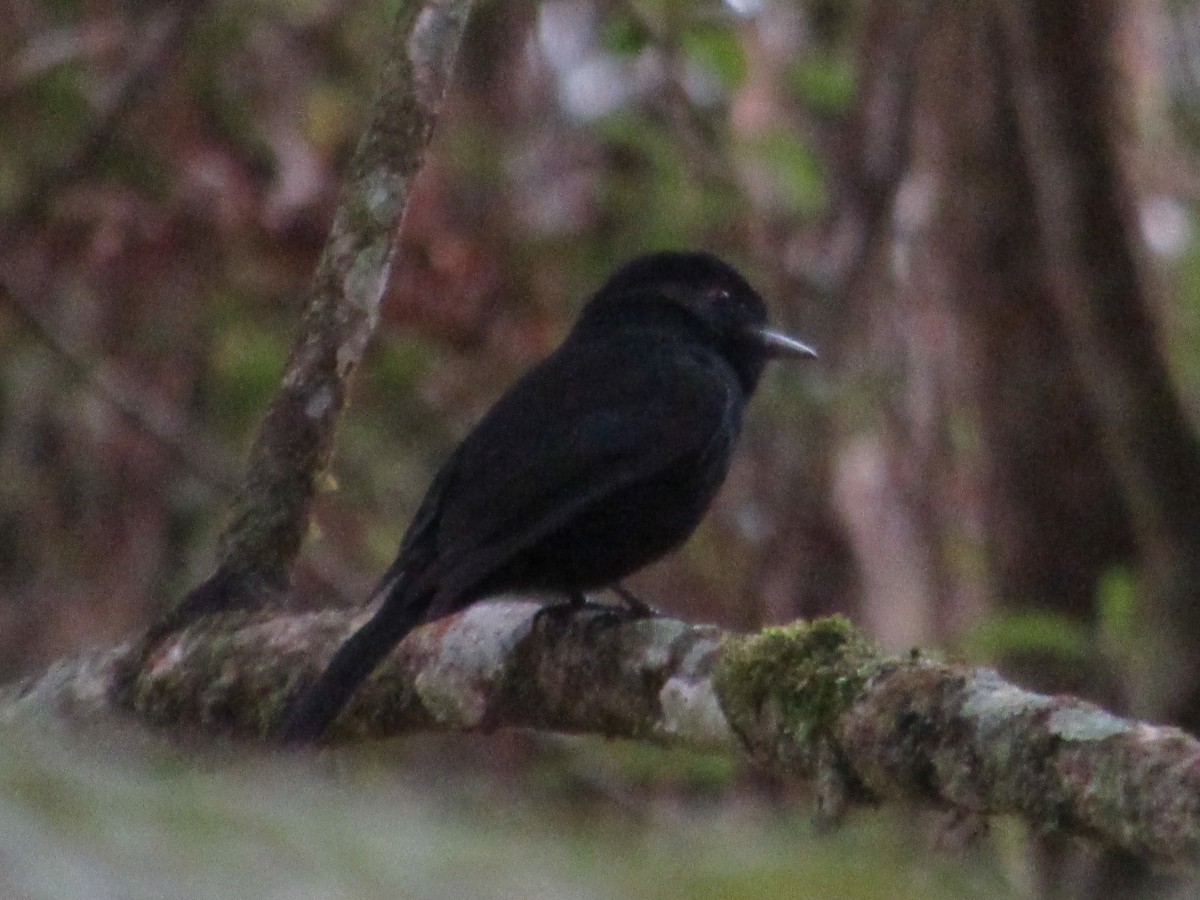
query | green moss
[790, 684]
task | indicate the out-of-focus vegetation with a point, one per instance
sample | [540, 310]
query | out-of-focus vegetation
[89, 815]
[165, 248]
[167, 175]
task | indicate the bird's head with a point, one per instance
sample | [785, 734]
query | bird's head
[705, 298]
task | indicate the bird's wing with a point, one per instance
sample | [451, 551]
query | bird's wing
[589, 421]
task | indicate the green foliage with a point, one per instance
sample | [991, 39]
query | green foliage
[397, 367]
[1116, 604]
[795, 171]
[63, 106]
[332, 117]
[623, 34]
[1030, 631]
[824, 82]
[247, 362]
[1068, 640]
[717, 50]
[653, 191]
[50, 118]
[225, 99]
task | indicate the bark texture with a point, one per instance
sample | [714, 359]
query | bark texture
[813, 700]
[271, 512]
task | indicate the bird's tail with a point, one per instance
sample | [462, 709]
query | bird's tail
[354, 661]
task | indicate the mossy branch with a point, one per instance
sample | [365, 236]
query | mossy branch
[810, 700]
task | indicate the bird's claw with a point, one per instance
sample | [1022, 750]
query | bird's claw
[632, 608]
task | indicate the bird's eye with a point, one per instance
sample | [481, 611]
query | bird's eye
[729, 302]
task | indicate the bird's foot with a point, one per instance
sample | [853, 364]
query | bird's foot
[566, 609]
[578, 602]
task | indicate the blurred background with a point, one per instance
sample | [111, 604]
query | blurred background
[983, 214]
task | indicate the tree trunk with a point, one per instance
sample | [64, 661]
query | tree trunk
[1030, 440]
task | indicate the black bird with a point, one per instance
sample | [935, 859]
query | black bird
[600, 460]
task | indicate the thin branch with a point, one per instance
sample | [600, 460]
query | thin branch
[271, 511]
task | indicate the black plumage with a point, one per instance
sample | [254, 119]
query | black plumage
[601, 459]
